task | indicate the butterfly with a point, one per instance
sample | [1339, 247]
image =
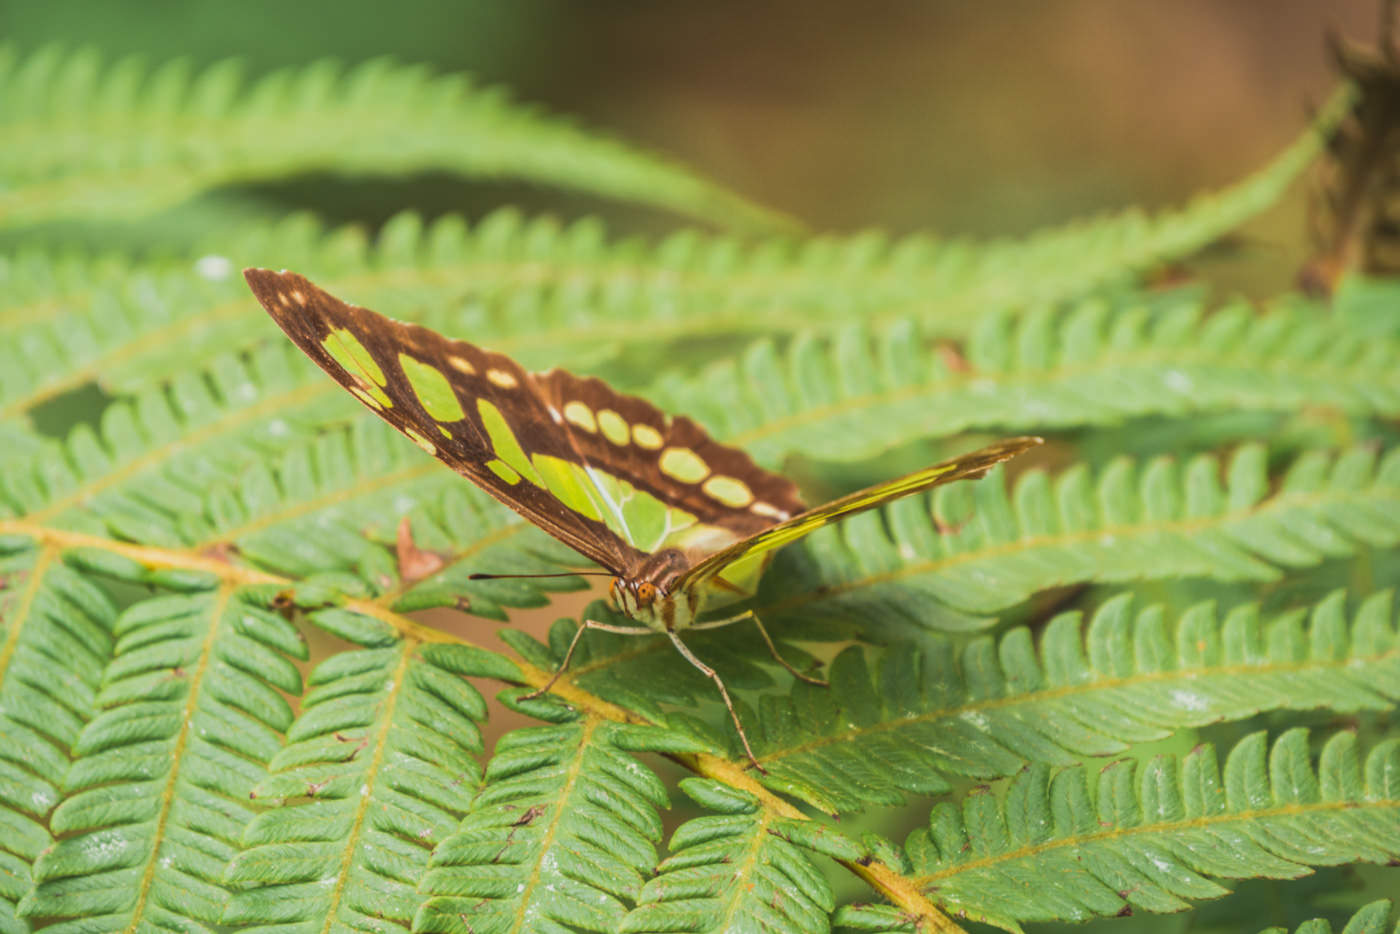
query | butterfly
[682, 524]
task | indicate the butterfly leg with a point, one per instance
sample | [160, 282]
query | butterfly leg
[710, 673]
[772, 649]
[578, 634]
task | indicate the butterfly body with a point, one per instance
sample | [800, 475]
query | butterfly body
[684, 525]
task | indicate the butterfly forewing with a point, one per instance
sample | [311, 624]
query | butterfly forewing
[724, 563]
[607, 474]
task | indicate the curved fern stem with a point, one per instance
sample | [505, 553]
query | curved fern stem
[137, 562]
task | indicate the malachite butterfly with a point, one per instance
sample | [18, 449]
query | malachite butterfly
[683, 524]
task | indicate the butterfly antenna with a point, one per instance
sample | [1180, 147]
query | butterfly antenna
[497, 577]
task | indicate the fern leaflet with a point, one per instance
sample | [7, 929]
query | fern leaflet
[378, 768]
[559, 836]
[918, 719]
[156, 800]
[854, 395]
[51, 619]
[732, 871]
[1073, 846]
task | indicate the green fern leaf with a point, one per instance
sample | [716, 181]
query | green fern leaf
[93, 141]
[558, 838]
[55, 639]
[1128, 523]
[853, 396]
[1150, 837]
[919, 719]
[566, 296]
[1370, 919]
[378, 768]
[732, 871]
[151, 459]
[190, 713]
[881, 919]
[872, 919]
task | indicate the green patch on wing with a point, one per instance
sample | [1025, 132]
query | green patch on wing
[634, 515]
[345, 348]
[504, 443]
[432, 388]
[569, 483]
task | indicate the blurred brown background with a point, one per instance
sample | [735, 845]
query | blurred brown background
[985, 118]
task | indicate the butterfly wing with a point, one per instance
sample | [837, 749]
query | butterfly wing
[968, 466]
[607, 474]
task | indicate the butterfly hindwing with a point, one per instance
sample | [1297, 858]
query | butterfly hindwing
[672, 459]
[607, 474]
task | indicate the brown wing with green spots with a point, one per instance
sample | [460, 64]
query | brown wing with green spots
[671, 458]
[543, 444]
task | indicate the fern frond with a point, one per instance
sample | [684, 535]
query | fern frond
[1127, 523]
[732, 871]
[556, 295]
[127, 325]
[559, 836]
[1370, 919]
[152, 458]
[917, 718]
[157, 798]
[55, 639]
[379, 767]
[853, 395]
[92, 140]
[1073, 846]
[883, 919]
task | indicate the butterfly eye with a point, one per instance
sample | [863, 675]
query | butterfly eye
[646, 592]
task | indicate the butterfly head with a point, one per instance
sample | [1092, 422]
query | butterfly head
[647, 594]
[632, 597]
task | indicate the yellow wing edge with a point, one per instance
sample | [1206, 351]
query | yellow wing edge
[969, 466]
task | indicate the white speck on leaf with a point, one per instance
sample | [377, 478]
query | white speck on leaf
[214, 268]
[1178, 381]
[1189, 700]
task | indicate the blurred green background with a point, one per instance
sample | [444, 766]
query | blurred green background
[958, 117]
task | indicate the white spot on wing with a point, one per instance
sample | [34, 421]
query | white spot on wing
[501, 378]
[766, 509]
